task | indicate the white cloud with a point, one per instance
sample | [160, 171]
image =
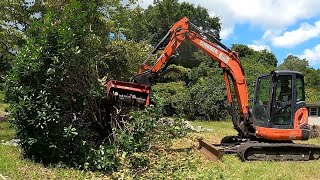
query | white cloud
[265, 14]
[312, 55]
[145, 3]
[258, 47]
[225, 32]
[298, 36]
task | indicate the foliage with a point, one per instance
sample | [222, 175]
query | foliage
[294, 63]
[10, 34]
[254, 64]
[136, 135]
[161, 16]
[16, 17]
[264, 57]
[153, 23]
[122, 59]
[207, 91]
[209, 101]
[53, 88]
[56, 101]
[175, 73]
[312, 95]
[200, 94]
[243, 50]
[172, 98]
[311, 76]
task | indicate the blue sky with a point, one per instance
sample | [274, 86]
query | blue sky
[281, 26]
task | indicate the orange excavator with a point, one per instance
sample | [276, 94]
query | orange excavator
[266, 131]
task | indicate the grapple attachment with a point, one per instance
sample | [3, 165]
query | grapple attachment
[128, 93]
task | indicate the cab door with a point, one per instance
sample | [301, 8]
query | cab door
[262, 100]
[300, 112]
[282, 103]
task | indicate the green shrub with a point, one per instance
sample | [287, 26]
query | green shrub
[208, 100]
[201, 95]
[53, 89]
[172, 98]
[135, 135]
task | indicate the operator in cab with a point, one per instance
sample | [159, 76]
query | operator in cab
[285, 91]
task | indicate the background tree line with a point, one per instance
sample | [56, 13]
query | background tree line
[53, 55]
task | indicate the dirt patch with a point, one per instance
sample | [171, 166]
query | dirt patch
[314, 131]
[2, 118]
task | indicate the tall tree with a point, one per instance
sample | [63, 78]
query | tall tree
[161, 16]
[294, 63]
[312, 76]
[264, 56]
[16, 17]
[153, 23]
[242, 50]
[254, 63]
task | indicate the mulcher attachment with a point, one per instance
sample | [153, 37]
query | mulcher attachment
[128, 94]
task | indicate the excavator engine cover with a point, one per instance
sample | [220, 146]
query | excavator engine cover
[128, 93]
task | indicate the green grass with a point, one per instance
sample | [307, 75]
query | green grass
[2, 104]
[13, 167]
[230, 167]
[191, 164]
[180, 161]
[6, 132]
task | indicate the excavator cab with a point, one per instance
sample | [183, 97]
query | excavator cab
[279, 108]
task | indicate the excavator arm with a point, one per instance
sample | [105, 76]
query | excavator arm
[228, 60]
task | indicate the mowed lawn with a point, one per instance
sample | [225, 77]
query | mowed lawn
[182, 161]
[13, 166]
[232, 168]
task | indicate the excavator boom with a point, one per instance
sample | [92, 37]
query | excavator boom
[181, 31]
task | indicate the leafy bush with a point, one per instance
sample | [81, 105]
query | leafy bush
[176, 73]
[208, 100]
[53, 88]
[136, 134]
[122, 59]
[56, 100]
[202, 98]
[172, 98]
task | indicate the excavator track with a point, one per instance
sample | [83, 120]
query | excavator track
[249, 150]
[262, 151]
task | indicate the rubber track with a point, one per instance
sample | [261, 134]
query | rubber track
[257, 151]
